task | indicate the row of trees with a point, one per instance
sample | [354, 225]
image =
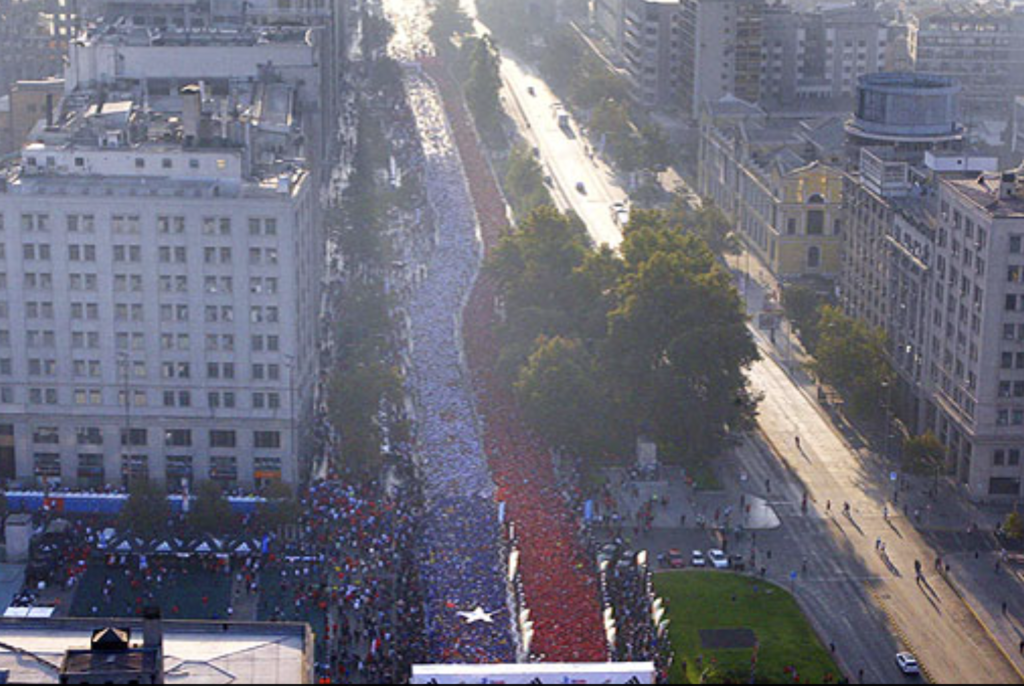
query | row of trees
[601, 347]
[848, 353]
[147, 512]
[362, 382]
[476, 61]
[524, 182]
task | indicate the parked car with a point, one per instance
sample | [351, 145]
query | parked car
[738, 563]
[675, 559]
[908, 664]
[719, 560]
[626, 559]
[698, 560]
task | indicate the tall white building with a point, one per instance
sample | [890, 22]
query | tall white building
[160, 271]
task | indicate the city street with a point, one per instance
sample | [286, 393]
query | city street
[865, 601]
[564, 155]
[868, 604]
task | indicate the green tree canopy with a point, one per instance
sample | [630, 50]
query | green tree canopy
[851, 355]
[524, 183]
[483, 86]
[448, 21]
[601, 346]
[803, 309]
[1014, 526]
[678, 343]
[559, 391]
[281, 508]
[146, 511]
[355, 396]
[924, 454]
[211, 512]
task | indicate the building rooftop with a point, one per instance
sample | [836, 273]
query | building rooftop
[124, 34]
[1001, 195]
[31, 650]
[243, 133]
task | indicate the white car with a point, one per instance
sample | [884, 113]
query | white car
[719, 560]
[697, 559]
[908, 664]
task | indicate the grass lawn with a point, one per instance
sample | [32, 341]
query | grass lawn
[704, 601]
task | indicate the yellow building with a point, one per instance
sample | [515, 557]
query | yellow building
[807, 235]
[785, 205]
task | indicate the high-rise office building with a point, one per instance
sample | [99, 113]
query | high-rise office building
[160, 265]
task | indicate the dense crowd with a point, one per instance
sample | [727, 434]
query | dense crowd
[559, 583]
[463, 567]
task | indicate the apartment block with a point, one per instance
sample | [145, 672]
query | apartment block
[981, 46]
[652, 49]
[821, 54]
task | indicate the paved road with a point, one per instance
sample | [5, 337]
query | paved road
[564, 154]
[929, 618]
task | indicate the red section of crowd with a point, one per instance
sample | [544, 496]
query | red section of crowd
[559, 582]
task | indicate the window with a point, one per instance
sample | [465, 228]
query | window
[270, 440]
[46, 465]
[134, 468]
[1004, 486]
[222, 439]
[178, 438]
[224, 469]
[88, 435]
[813, 257]
[815, 223]
[46, 435]
[90, 470]
[179, 468]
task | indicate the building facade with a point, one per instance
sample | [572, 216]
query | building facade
[722, 41]
[930, 256]
[981, 46]
[821, 54]
[652, 50]
[27, 104]
[787, 208]
[34, 38]
[161, 270]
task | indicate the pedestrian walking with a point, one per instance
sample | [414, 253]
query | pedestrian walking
[1004, 607]
[878, 544]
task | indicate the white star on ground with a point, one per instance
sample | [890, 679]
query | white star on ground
[477, 615]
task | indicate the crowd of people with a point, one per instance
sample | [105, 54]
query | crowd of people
[560, 587]
[462, 552]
